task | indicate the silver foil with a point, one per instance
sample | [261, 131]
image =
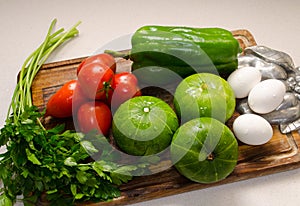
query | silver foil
[275, 64]
[288, 111]
[268, 70]
[273, 56]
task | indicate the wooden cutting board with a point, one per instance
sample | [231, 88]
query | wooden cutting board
[281, 153]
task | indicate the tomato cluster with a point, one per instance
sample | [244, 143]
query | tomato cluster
[91, 97]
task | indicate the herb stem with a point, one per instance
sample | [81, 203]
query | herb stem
[22, 97]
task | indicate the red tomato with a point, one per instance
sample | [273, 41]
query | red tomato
[124, 87]
[94, 115]
[103, 58]
[78, 97]
[138, 92]
[60, 104]
[126, 78]
[95, 80]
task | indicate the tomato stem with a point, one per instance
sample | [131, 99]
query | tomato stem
[106, 88]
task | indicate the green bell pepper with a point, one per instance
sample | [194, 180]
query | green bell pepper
[161, 51]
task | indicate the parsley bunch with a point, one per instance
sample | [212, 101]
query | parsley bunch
[52, 162]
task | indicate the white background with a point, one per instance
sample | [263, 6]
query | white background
[275, 24]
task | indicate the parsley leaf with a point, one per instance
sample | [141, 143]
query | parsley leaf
[52, 163]
[57, 163]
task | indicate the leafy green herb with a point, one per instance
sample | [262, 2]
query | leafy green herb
[52, 162]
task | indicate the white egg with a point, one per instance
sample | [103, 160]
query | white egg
[243, 80]
[266, 96]
[252, 129]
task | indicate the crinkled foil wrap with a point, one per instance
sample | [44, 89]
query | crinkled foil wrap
[275, 64]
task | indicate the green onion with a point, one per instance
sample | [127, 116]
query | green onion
[22, 97]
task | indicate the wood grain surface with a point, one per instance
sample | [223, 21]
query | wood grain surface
[281, 153]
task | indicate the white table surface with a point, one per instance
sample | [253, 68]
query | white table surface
[275, 24]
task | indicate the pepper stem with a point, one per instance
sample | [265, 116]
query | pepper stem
[124, 54]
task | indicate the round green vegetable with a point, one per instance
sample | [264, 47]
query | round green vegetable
[144, 125]
[204, 150]
[204, 95]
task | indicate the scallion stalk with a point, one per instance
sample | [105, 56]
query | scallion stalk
[22, 97]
